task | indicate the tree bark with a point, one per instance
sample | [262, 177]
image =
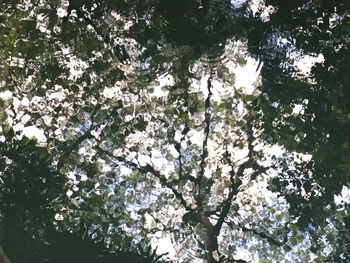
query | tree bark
[3, 257]
[212, 238]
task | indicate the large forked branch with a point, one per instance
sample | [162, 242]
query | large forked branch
[3, 257]
[235, 178]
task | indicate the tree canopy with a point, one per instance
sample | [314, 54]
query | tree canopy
[131, 132]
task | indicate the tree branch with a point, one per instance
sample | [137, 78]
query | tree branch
[119, 51]
[178, 149]
[71, 148]
[235, 177]
[233, 191]
[267, 237]
[205, 141]
[86, 135]
[3, 256]
[149, 169]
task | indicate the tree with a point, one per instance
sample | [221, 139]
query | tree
[308, 29]
[32, 193]
[145, 137]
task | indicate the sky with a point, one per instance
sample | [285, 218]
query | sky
[247, 77]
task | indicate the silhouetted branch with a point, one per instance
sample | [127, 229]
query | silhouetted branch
[149, 169]
[233, 191]
[264, 235]
[204, 155]
[267, 237]
[3, 257]
[71, 148]
[86, 135]
[178, 149]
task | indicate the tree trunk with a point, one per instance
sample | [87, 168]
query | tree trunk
[212, 239]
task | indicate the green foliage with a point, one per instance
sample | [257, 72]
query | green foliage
[143, 124]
